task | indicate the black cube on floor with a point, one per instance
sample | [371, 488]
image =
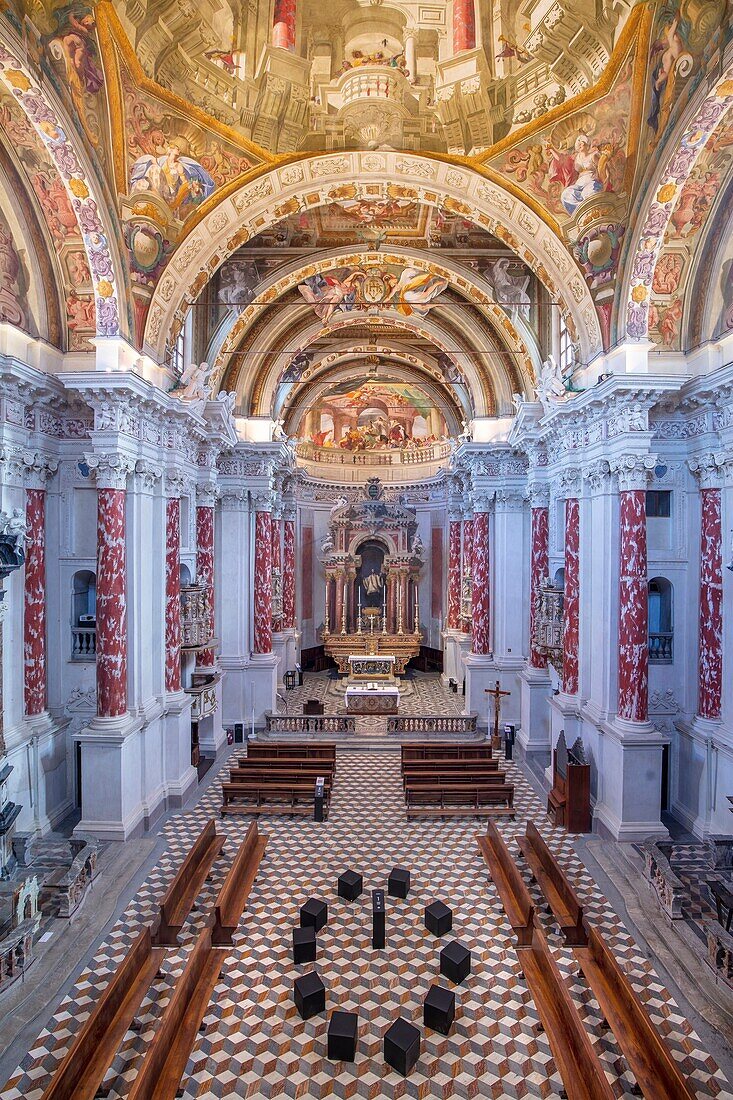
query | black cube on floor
[398, 885]
[304, 945]
[439, 1009]
[314, 914]
[438, 918]
[310, 995]
[350, 885]
[342, 1028]
[402, 1046]
[455, 961]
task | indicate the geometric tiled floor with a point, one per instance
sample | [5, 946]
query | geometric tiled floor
[256, 1045]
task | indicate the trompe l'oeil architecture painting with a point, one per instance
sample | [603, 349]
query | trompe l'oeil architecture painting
[366, 524]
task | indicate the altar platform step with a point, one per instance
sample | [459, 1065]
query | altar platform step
[374, 739]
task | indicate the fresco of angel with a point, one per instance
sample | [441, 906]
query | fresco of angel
[329, 294]
[415, 291]
[180, 181]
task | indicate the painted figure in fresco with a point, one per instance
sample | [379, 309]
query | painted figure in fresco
[238, 286]
[13, 304]
[75, 45]
[329, 294]
[180, 181]
[415, 291]
[725, 321]
[297, 365]
[373, 584]
[671, 54]
[581, 170]
[510, 290]
[80, 311]
[510, 48]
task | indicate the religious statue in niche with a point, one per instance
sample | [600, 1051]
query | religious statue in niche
[373, 583]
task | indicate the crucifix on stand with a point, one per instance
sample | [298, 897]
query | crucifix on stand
[496, 693]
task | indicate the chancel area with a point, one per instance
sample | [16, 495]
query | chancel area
[366, 549]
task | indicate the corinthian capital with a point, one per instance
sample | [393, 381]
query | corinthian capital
[538, 494]
[110, 471]
[207, 495]
[709, 469]
[37, 469]
[633, 471]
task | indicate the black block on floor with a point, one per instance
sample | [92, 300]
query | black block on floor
[438, 918]
[342, 1029]
[350, 885]
[398, 884]
[402, 1046]
[455, 961]
[304, 945]
[314, 914]
[310, 995]
[439, 1009]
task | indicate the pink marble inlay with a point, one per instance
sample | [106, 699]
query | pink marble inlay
[538, 573]
[111, 604]
[454, 575]
[710, 659]
[205, 572]
[633, 635]
[283, 25]
[173, 595]
[277, 624]
[34, 622]
[263, 583]
[480, 574]
[288, 574]
[467, 560]
[570, 634]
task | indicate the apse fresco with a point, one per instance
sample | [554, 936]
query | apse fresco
[408, 290]
[375, 416]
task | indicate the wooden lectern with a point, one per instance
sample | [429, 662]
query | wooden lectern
[568, 803]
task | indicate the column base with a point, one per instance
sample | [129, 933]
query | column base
[481, 673]
[181, 777]
[261, 676]
[285, 645]
[535, 689]
[212, 736]
[455, 645]
[630, 776]
[38, 751]
[111, 799]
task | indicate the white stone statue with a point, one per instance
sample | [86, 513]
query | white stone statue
[517, 401]
[13, 525]
[195, 384]
[326, 544]
[550, 387]
[278, 431]
[341, 502]
[373, 583]
[465, 433]
[228, 399]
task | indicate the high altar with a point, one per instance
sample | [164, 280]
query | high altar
[372, 561]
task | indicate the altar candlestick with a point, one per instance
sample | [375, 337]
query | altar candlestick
[325, 612]
[343, 613]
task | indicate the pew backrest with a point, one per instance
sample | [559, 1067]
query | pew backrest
[178, 898]
[237, 885]
[515, 897]
[552, 880]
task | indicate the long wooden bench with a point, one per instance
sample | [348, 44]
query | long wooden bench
[269, 797]
[84, 1065]
[511, 887]
[165, 1060]
[282, 775]
[649, 1058]
[303, 749]
[576, 1060]
[287, 763]
[551, 879]
[480, 799]
[438, 750]
[447, 775]
[237, 885]
[180, 895]
[483, 764]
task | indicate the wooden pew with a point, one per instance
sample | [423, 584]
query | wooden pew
[303, 749]
[448, 775]
[84, 1065]
[438, 750]
[551, 879]
[649, 1058]
[180, 895]
[479, 799]
[511, 887]
[269, 796]
[576, 1060]
[280, 775]
[165, 1060]
[237, 885]
[484, 764]
[284, 763]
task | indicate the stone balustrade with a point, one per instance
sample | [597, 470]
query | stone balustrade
[309, 723]
[83, 643]
[431, 723]
[720, 951]
[669, 889]
[16, 951]
[79, 877]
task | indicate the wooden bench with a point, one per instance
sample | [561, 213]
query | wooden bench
[281, 775]
[306, 750]
[484, 764]
[551, 879]
[165, 1060]
[459, 799]
[269, 796]
[576, 1060]
[656, 1071]
[280, 763]
[438, 750]
[511, 887]
[180, 895]
[491, 776]
[90, 1055]
[237, 885]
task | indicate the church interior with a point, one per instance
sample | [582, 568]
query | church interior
[366, 549]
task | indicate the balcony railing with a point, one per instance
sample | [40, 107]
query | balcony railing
[660, 648]
[404, 456]
[83, 643]
[195, 619]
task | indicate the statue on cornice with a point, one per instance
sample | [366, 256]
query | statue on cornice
[13, 525]
[195, 385]
[465, 433]
[550, 388]
[278, 431]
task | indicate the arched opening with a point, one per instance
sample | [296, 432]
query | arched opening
[559, 579]
[84, 616]
[661, 626]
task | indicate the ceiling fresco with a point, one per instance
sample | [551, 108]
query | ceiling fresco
[372, 416]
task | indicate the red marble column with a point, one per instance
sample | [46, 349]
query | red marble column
[338, 602]
[710, 630]
[571, 601]
[392, 604]
[173, 594]
[263, 583]
[539, 564]
[633, 632]
[288, 574]
[277, 563]
[111, 604]
[480, 642]
[464, 25]
[453, 621]
[283, 25]
[205, 572]
[34, 621]
[467, 562]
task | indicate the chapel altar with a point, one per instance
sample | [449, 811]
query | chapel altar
[372, 562]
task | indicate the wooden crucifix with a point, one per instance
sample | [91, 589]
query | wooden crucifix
[496, 693]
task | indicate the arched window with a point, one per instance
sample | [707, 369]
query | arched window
[559, 578]
[661, 625]
[84, 616]
[185, 575]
